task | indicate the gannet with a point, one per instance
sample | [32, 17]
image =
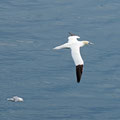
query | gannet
[75, 46]
[15, 99]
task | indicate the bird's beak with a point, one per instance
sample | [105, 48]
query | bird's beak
[90, 43]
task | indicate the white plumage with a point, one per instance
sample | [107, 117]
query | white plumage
[75, 45]
[15, 99]
[75, 52]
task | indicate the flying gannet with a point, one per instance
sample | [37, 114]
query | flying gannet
[75, 45]
[15, 99]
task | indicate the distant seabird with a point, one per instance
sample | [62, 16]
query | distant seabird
[15, 99]
[75, 45]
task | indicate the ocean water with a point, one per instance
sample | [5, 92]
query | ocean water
[45, 78]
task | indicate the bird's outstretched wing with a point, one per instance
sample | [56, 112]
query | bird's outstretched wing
[73, 39]
[75, 51]
[79, 70]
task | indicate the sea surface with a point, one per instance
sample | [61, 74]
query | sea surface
[46, 78]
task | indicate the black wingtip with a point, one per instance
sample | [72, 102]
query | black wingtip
[79, 70]
[71, 34]
[78, 81]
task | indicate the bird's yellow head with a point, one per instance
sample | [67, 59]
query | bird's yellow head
[87, 42]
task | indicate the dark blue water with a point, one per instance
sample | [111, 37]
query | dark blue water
[31, 69]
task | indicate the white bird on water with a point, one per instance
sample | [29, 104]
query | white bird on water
[75, 45]
[15, 99]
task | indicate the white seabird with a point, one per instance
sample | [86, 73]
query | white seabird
[15, 99]
[75, 45]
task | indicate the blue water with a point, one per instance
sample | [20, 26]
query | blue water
[44, 78]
